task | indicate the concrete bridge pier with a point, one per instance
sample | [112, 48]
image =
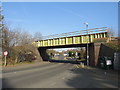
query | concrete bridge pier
[43, 54]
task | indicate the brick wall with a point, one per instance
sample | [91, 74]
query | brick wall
[97, 50]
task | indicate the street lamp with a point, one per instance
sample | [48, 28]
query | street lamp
[87, 39]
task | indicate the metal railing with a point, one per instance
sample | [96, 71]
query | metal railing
[77, 33]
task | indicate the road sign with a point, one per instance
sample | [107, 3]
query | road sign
[5, 53]
[108, 62]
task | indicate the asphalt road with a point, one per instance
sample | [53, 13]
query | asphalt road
[56, 75]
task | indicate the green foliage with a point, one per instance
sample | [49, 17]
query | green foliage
[71, 53]
[115, 45]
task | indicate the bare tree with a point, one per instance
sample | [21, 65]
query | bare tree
[18, 37]
[111, 32]
[18, 44]
[37, 36]
[5, 36]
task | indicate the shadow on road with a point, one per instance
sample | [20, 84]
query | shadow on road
[5, 84]
[65, 61]
[88, 79]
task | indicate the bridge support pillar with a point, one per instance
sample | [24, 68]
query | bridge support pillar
[43, 54]
[97, 50]
[94, 53]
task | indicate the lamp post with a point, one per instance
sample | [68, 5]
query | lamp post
[87, 39]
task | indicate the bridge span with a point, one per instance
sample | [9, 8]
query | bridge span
[73, 38]
[77, 39]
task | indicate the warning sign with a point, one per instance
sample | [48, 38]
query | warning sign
[5, 53]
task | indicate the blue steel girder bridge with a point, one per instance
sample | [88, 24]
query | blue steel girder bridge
[77, 37]
[74, 39]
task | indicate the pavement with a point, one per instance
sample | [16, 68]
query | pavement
[57, 75]
[110, 72]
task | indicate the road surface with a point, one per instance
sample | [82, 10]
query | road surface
[56, 75]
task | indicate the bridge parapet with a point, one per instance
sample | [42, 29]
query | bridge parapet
[77, 37]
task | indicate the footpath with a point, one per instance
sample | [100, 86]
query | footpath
[109, 73]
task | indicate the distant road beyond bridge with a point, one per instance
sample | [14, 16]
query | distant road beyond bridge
[72, 38]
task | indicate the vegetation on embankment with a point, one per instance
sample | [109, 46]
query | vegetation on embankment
[115, 44]
[18, 43]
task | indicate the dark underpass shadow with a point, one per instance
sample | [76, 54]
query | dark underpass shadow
[85, 78]
[65, 61]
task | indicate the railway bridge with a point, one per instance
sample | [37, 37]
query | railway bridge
[83, 38]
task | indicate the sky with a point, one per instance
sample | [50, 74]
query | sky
[60, 0]
[60, 17]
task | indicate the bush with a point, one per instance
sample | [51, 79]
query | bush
[24, 53]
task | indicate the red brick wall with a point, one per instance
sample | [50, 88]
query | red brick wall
[97, 50]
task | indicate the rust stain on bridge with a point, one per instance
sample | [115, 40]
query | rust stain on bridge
[72, 38]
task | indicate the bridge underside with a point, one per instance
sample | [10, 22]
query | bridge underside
[96, 50]
[66, 46]
[45, 56]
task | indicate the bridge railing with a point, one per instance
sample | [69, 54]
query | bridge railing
[77, 33]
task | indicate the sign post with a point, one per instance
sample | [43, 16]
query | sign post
[5, 54]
